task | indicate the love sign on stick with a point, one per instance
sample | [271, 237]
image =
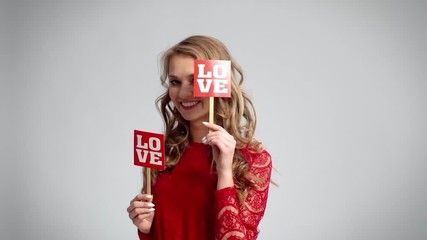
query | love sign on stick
[149, 152]
[212, 78]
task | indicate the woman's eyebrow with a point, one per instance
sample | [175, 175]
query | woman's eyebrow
[190, 76]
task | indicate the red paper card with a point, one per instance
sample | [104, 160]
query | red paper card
[149, 150]
[212, 78]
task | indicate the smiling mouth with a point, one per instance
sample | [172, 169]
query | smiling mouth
[189, 104]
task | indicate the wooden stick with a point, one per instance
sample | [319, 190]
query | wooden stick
[211, 110]
[148, 181]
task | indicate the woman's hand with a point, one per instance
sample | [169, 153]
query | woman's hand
[141, 212]
[223, 146]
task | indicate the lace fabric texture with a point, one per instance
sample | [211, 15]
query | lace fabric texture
[240, 221]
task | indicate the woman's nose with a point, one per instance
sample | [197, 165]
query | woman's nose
[186, 91]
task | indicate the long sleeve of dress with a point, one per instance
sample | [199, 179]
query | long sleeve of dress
[143, 236]
[240, 221]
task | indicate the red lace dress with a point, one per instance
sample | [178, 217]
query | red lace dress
[189, 207]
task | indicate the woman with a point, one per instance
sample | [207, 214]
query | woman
[217, 176]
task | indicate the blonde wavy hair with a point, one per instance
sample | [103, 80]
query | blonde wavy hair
[236, 114]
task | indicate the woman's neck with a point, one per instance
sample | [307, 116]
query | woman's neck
[197, 131]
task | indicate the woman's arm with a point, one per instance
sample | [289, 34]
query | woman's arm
[240, 221]
[235, 220]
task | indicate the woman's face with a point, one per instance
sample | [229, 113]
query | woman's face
[180, 77]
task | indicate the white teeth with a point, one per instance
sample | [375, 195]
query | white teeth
[189, 104]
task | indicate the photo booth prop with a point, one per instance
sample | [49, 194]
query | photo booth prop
[149, 152]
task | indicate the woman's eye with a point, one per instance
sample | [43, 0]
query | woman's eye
[173, 82]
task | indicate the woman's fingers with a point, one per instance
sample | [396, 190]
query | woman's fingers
[140, 206]
[221, 142]
[224, 144]
[141, 212]
[217, 131]
[138, 219]
[142, 197]
[139, 201]
[211, 126]
[214, 127]
[221, 139]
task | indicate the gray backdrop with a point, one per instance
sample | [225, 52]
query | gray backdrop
[340, 89]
